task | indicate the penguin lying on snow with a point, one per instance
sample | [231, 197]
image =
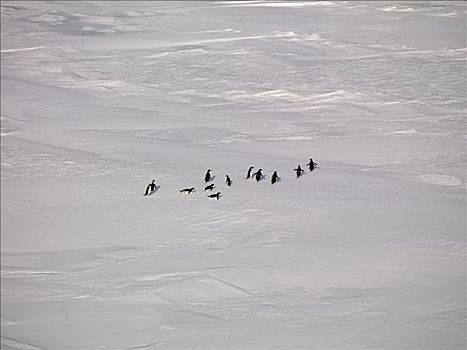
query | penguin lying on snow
[209, 188]
[187, 190]
[217, 195]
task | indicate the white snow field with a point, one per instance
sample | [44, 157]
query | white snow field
[100, 98]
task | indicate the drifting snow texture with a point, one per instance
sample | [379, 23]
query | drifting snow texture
[366, 252]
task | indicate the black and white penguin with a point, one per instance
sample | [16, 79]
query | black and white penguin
[217, 195]
[209, 187]
[258, 175]
[207, 177]
[248, 174]
[275, 178]
[311, 165]
[299, 171]
[228, 180]
[151, 187]
[187, 190]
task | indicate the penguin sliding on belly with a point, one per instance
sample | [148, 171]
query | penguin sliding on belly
[188, 190]
[216, 196]
[209, 187]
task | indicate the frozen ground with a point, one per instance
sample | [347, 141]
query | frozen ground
[99, 98]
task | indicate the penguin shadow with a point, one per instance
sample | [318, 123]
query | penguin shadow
[152, 192]
[213, 177]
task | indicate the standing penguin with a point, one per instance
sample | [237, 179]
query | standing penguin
[275, 178]
[151, 187]
[258, 175]
[207, 177]
[299, 171]
[248, 174]
[311, 165]
[228, 180]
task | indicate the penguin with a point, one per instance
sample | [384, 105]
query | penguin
[207, 177]
[228, 180]
[187, 190]
[209, 188]
[275, 178]
[311, 164]
[151, 187]
[248, 174]
[258, 175]
[217, 195]
[299, 171]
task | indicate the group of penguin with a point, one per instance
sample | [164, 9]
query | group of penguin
[258, 176]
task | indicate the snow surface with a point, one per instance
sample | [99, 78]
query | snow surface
[366, 252]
